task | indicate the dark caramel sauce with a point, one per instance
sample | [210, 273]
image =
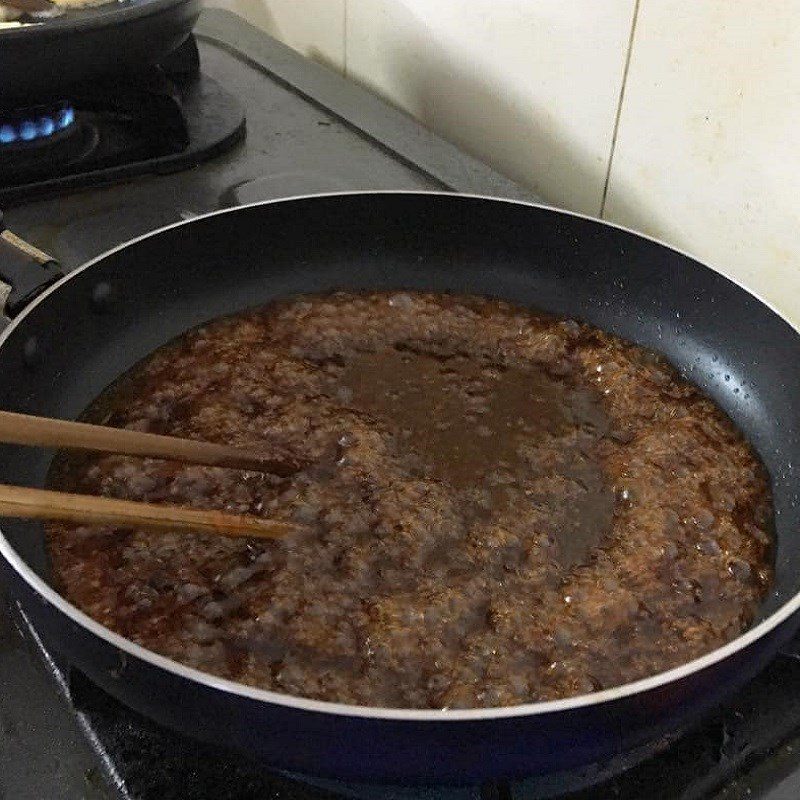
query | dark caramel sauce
[496, 506]
[473, 423]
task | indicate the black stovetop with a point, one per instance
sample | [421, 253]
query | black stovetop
[168, 117]
[308, 130]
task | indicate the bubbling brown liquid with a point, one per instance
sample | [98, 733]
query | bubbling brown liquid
[468, 419]
[496, 506]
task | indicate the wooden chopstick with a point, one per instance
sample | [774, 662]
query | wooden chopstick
[82, 509]
[45, 432]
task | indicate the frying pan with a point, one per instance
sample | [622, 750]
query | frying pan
[86, 329]
[40, 62]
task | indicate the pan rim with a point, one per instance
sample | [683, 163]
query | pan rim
[437, 716]
[108, 14]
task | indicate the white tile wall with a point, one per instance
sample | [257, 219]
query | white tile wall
[708, 151]
[530, 86]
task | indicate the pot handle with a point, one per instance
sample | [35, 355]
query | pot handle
[25, 272]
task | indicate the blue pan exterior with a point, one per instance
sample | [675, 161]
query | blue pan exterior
[69, 345]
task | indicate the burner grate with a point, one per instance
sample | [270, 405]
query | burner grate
[702, 764]
[169, 117]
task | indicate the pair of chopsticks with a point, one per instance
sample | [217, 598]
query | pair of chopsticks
[25, 503]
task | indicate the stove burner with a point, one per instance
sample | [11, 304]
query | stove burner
[22, 126]
[165, 118]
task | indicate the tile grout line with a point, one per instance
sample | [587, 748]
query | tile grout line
[620, 102]
[344, 38]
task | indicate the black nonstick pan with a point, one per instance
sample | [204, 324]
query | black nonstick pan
[85, 330]
[39, 62]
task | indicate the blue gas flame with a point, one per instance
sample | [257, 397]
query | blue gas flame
[39, 127]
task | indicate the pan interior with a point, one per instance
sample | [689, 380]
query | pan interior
[102, 321]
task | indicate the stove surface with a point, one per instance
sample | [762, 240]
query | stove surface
[309, 130]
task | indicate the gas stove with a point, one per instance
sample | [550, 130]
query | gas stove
[308, 130]
[168, 118]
